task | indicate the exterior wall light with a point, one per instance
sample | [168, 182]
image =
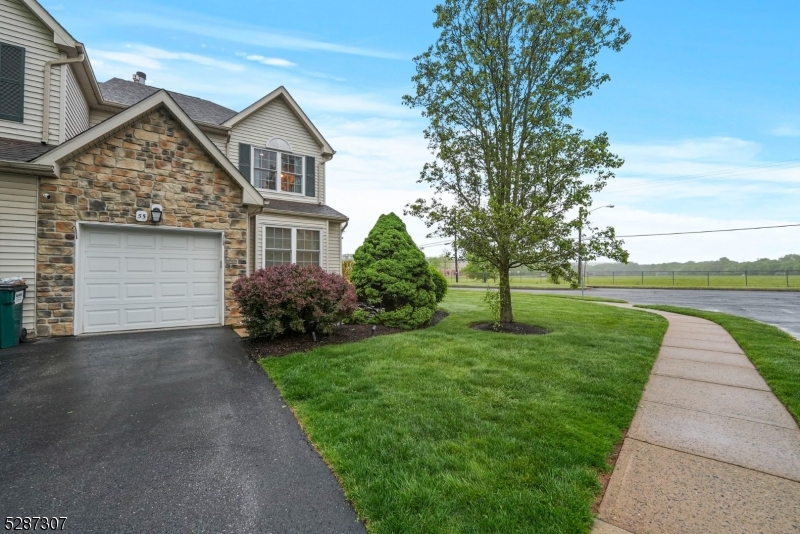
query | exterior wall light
[156, 212]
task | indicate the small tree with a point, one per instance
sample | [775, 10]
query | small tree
[510, 174]
[391, 272]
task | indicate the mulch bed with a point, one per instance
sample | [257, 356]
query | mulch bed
[346, 333]
[512, 328]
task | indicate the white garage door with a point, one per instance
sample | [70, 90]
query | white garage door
[133, 279]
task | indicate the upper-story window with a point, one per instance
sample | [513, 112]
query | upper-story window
[277, 168]
[277, 171]
[12, 82]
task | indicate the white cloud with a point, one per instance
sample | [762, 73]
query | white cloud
[786, 131]
[251, 35]
[138, 56]
[271, 61]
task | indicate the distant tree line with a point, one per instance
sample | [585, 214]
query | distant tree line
[790, 262]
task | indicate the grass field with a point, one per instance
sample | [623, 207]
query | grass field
[451, 430]
[712, 280]
[775, 353]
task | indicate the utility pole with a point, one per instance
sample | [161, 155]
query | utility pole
[580, 271]
[455, 250]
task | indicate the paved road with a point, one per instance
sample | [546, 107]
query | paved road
[157, 432]
[781, 309]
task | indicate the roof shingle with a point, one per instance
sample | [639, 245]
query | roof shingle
[129, 93]
[316, 210]
[14, 150]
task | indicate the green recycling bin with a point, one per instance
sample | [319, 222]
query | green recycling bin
[11, 331]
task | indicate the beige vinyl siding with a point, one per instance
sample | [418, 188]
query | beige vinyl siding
[218, 140]
[76, 110]
[20, 27]
[335, 247]
[251, 246]
[96, 116]
[289, 221]
[277, 120]
[18, 195]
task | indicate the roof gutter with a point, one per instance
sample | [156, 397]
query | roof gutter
[28, 169]
[46, 114]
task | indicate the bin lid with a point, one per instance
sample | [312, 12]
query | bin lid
[13, 287]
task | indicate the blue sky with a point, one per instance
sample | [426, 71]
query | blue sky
[703, 103]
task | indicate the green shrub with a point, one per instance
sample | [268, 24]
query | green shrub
[293, 299]
[440, 282]
[391, 273]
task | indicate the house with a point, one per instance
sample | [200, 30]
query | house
[128, 207]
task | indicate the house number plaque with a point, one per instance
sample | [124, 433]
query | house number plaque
[141, 216]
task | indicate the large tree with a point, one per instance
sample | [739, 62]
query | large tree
[510, 175]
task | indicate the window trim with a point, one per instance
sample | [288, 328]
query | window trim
[278, 171]
[294, 230]
[21, 116]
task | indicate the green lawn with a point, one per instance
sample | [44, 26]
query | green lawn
[775, 353]
[451, 430]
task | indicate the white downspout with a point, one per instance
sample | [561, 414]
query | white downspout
[46, 112]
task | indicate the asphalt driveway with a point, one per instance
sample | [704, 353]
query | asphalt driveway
[157, 432]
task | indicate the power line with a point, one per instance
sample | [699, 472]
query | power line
[714, 231]
[667, 233]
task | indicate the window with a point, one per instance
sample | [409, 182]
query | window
[277, 246]
[265, 169]
[266, 175]
[12, 82]
[291, 245]
[291, 173]
[307, 247]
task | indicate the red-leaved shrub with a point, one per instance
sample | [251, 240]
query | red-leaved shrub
[293, 298]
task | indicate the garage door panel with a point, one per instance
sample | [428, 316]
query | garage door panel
[140, 317]
[101, 292]
[173, 290]
[104, 240]
[174, 265]
[205, 289]
[140, 265]
[205, 265]
[175, 242]
[139, 240]
[152, 279]
[139, 291]
[100, 320]
[205, 313]
[103, 264]
[175, 314]
[205, 243]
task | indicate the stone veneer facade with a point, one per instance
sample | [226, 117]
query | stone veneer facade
[154, 161]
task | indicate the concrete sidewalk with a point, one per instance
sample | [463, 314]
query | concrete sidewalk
[710, 449]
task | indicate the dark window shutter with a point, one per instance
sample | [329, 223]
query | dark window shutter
[12, 82]
[244, 161]
[311, 177]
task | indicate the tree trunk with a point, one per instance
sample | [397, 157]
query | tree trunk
[506, 315]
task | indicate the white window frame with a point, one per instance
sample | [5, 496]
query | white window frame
[294, 230]
[278, 171]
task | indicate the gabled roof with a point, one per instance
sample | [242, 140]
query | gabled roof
[94, 136]
[15, 150]
[282, 93]
[128, 93]
[60, 35]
